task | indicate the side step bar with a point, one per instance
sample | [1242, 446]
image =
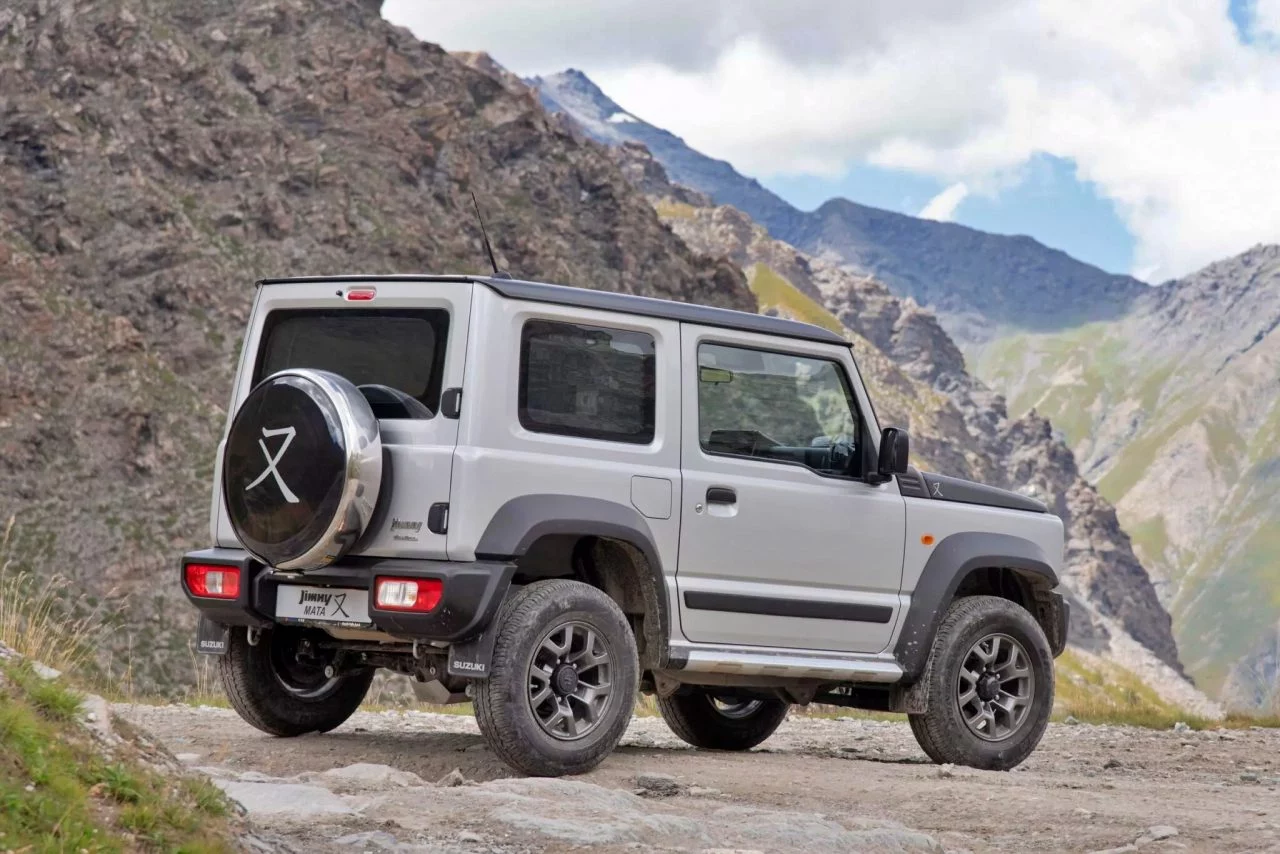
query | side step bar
[788, 663]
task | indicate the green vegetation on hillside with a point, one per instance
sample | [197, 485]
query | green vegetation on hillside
[773, 291]
[62, 791]
[1183, 439]
[671, 209]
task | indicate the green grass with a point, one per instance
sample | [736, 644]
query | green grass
[1094, 691]
[671, 209]
[774, 291]
[59, 792]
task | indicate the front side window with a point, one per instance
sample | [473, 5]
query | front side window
[779, 407]
[394, 356]
[587, 381]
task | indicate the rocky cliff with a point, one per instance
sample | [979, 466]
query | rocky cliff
[918, 379]
[157, 157]
[977, 283]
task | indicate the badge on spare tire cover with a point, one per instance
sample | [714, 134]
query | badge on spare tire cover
[302, 469]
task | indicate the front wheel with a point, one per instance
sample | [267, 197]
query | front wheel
[718, 720]
[990, 686]
[280, 684]
[563, 681]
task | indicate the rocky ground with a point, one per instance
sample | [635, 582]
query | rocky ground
[419, 782]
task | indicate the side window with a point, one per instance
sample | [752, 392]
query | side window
[587, 381]
[779, 407]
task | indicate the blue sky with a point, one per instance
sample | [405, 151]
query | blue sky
[1049, 203]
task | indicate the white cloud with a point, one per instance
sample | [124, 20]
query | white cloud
[1266, 17]
[1159, 104]
[942, 207]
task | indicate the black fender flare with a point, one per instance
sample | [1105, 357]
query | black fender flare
[952, 560]
[520, 522]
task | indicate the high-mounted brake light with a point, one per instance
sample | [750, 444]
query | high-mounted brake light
[213, 582]
[361, 294]
[409, 594]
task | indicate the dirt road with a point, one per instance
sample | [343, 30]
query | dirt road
[817, 785]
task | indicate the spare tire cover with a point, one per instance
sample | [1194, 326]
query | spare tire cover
[302, 469]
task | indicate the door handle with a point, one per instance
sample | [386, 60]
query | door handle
[721, 495]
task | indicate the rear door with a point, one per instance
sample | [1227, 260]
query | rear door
[782, 544]
[404, 344]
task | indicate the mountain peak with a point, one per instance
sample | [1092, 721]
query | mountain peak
[572, 91]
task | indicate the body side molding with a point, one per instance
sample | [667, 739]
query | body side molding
[771, 606]
[953, 559]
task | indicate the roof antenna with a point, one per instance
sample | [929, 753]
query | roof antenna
[497, 273]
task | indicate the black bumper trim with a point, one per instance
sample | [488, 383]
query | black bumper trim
[472, 592]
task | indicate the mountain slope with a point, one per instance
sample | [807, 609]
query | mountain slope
[917, 379]
[156, 158]
[1174, 411]
[977, 282]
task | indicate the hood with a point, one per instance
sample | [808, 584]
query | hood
[916, 484]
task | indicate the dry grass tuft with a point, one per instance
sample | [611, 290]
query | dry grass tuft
[38, 621]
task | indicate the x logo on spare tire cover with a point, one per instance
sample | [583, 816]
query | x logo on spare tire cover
[289, 433]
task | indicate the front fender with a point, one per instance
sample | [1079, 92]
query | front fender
[951, 561]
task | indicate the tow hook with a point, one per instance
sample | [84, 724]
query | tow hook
[253, 636]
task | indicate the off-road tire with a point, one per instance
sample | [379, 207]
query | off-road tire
[502, 702]
[692, 716]
[941, 730]
[251, 685]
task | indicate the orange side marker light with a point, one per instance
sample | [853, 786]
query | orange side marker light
[926, 540]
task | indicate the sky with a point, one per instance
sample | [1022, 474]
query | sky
[1142, 136]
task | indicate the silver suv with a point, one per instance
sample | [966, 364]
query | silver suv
[545, 499]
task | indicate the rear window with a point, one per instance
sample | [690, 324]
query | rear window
[587, 381]
[396, 357]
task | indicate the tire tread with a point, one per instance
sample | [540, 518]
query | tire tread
[693, 719]
[521, 615]
[253, 693]
[937, 731]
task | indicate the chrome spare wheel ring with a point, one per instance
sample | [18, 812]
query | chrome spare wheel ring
[995, 687]
[570, 680]
[732, 707]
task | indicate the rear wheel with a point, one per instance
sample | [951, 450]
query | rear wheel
[282, 684]
[563, 680]
[718, 720]
[990, 686]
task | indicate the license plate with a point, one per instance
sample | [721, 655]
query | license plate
[336, 605]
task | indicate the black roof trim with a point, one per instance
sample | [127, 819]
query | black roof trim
[702, 315]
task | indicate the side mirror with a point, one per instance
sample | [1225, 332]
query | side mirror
[895, 448]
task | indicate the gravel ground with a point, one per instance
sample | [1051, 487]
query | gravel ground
[385, 782]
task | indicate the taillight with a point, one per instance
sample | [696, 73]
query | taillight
[361, 294]
[409, 594]
[213, 582]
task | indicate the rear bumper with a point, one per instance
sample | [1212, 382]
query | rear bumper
[472, 592]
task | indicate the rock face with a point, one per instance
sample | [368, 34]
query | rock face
[959, 426]
[976, 282]
[155, 160]
[1174, 412]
